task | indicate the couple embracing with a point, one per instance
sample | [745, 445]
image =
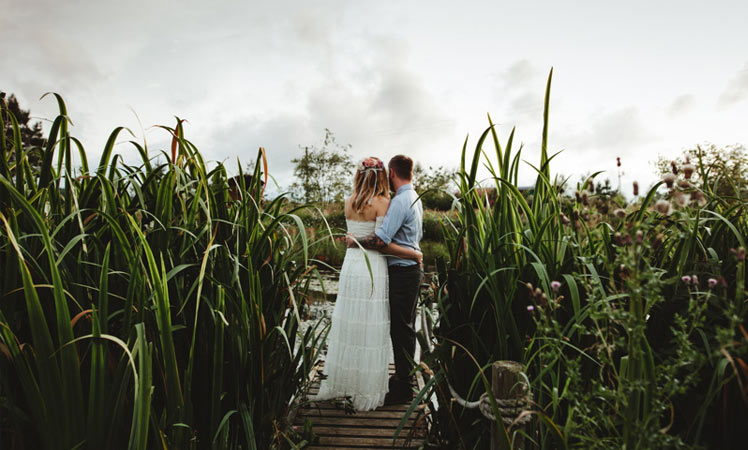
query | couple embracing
[373, 323]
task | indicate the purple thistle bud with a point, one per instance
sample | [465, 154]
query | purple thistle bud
[686, 279]
[712, 282]
[555, 285]
[530, 308]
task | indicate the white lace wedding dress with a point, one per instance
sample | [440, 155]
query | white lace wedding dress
[359, 349]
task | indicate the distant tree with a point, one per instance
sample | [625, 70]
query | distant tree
[725, 168]
[323, 172]
[432, 183]
[32, 138]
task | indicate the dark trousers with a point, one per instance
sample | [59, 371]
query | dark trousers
[405, 283]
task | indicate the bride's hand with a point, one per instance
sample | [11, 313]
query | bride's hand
[350, 242]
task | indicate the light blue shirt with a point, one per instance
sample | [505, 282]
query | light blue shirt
[403, 223]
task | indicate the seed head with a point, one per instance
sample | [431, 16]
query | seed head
[620, 213]
[618, 161]
[688, 170]
[658, 240]
[699, 198]
[674, 167]
[669, 179]
[695, 279]
[682, 198]
[636, 188]
[662, 207]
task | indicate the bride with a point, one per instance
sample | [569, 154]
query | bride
[359, 348]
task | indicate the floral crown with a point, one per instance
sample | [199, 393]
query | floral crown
[370, 164]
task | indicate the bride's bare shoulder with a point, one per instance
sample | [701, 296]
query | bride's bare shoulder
[380, 203]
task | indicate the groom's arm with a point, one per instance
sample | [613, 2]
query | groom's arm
[393, 220]
[371, 241]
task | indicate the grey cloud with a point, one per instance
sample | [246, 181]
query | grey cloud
[681, 104]
[280, 135]
[520, 89]
[520, 73]
[609, 135]
[736, 90]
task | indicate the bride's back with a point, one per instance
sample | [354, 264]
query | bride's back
[370, 212]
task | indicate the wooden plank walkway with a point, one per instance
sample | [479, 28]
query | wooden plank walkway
[339, 429]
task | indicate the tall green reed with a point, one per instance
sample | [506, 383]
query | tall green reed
[576, 289]
[146, 305]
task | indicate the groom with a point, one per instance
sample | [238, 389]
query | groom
[403, 225]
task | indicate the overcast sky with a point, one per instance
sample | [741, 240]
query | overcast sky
[633, 79]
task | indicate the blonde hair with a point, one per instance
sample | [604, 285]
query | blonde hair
[370, 181]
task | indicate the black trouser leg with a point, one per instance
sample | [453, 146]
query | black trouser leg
[405, 284]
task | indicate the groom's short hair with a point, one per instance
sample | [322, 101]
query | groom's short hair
[402, 166]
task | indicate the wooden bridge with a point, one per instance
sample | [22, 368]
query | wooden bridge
[339, 429]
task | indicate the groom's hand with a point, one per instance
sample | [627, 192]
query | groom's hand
[419, 258]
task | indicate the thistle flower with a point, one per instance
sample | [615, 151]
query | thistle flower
[699, 198]
[683, 184]
[592, 187]
[636, 188]
[695, 280]
[530, 308]
[585, 198]
[639, 236]
[620, 213]
[711, 282]
[555, 285]
[686, 279]
[564, 219]
[682, 198]
[688, 170]
[669, 179]
[662, 207]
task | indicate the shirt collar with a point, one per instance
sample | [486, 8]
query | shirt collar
[405, 187]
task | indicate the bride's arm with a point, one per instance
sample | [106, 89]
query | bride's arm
[402, 252]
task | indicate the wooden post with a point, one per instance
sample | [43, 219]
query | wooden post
[506, 383]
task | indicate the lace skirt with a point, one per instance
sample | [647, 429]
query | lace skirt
[359, 349]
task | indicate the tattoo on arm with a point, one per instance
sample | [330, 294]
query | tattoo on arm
[372, 241]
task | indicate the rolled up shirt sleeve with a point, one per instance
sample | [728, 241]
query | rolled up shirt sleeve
[393, 220]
